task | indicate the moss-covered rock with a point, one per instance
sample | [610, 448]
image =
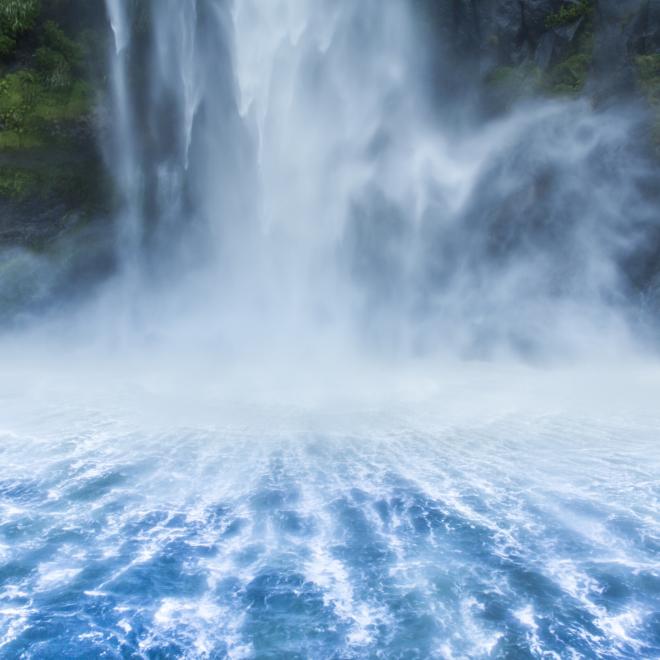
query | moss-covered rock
[32, 111]
[512, 83]
[648, 72]
[569, 76]
[16, 18]
[48, 151]
[17, 183]
[569, 12]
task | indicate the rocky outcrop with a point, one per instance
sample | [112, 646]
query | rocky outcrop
[53, 185]
[552, 47]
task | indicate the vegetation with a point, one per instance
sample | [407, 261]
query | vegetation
[564, 77]
[515, 82]
[16, 183]
[568, 76]
[40, 92]
[569, 13]
[49, 166]
[16, 18]
[73, 182]
[58, 58]
[32, 109]
[648, 73]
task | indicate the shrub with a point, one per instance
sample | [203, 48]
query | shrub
[57, 57]
[569, 13]
[569, 76]
[7, 45]
[18, 16]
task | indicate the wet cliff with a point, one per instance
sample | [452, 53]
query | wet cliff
[56, 194]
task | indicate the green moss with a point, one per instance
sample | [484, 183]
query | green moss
[81, 185]
[18, 16]
[648, 71]
[17, 183]
[34, 98]
[569, 13]
[58, 57]
[11, 140]
[515, 81]
[568, 76]
[7, 45]
[648, 74]
[69, 104]
[17, 99]
[29, 105]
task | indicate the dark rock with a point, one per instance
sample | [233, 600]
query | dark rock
[612, 56]
[645, 28]
[556, 43]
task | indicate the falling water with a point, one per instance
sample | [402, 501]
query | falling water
[285, 172]
[301, 420]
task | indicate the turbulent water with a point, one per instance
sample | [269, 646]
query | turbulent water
[476, 525]
[295, 423]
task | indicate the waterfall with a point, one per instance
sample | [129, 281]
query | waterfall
[286, 176]
[124, 156]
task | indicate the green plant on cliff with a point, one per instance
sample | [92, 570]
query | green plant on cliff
[569, 67]
[648, 69]
[515, 82]
[36, 99]
[58, 57]
[16, 18]
[17, 101]
[568, 76]
[569, 13]
[648, 73]
[28, 108]
[16, 183]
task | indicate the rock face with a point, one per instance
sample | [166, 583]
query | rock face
[53, 185]
[527, 47]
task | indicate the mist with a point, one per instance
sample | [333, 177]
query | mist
[362, 362]
[286, 180]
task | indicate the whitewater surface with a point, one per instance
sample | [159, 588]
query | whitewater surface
[453, 517]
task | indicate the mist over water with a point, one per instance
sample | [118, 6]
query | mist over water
[374, 376]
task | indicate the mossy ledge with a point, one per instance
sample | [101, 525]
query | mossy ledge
[648, 72]
[50, 166]
[55, 194]
[559, 62]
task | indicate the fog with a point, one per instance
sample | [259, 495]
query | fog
[288, 184]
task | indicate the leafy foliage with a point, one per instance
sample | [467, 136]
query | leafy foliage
[28, 107]
[648, 73]
[16, 183]
[44, 90]
[569, 75]
[16, 18]
[57, 57]
[569, 13]
[515, 82]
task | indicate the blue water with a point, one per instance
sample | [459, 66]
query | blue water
[533, 537]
